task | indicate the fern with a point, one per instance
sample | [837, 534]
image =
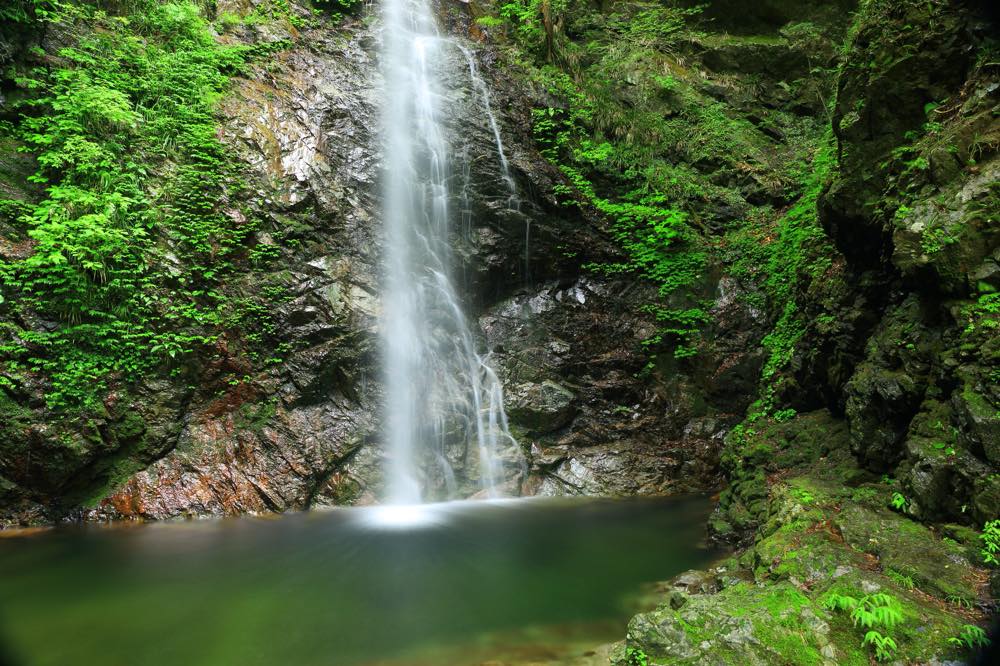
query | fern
[970, 637]
[872, 612]
[884, 646]
[991, 542]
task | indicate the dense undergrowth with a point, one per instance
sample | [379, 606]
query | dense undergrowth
[134, 224]
[701, 174]
[686, 180]
[614, 151]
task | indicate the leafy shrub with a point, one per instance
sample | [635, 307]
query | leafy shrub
[872, 612]
[130, 275]
[970, 637]
[991, 542]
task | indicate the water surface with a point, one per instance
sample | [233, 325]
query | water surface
[453, 583]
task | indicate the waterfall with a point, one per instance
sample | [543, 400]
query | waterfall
[443, 402]
[513, 201]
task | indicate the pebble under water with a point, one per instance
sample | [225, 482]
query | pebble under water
[453, 583]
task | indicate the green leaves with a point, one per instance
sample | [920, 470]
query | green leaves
[884, 646]
[991, 542]
[877, 610]
[27, 11]
[128, 274]
[872, 612]
[613, 152]
[970, 637]
[840, 602]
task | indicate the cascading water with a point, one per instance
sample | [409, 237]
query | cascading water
[513, 202]
[439, 391]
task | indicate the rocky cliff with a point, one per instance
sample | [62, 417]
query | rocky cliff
[754, 250]
[277, 407]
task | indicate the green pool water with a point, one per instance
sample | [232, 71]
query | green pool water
[511, 581]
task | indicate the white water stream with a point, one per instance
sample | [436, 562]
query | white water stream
[443, 401]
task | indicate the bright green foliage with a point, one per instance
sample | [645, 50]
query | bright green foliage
[800, 250]
[991, 542]
[898, 502]
[877, 610]
[129, 275]
[273, 10]
[27, 11]
[983, 314]
[636, 657]
[970, 637]
[884, 646]
[904, 581]
[614, 155]
[871, 612]
[526, 16]
[639, 142]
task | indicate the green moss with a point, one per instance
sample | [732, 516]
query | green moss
[813, 546]
[130, 264]
[799, 253]
[256, 416]
[639, 141]
[14, 419]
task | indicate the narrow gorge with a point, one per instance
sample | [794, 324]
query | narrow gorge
[434, 332]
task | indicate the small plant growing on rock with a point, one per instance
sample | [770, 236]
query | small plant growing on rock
[959, 601]
[636, 657]
[898, 502]
[871, 612]
[991, 542]
[884, 646]
[877, 610]
[783, 415]
[970, 637]
[803, 495]
[900, 579]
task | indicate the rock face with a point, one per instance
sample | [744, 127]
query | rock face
[567, 354]
[770, 605]
[305, 431]
[898, 340]
[913, 207]
[294, 436]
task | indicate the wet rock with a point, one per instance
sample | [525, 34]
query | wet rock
[979, 419]
[886, 390]
[540, 407]
[877, 105]
[946, 240]
[627, 467]
[939, 473]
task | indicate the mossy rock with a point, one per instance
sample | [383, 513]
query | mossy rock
[768, 605]
[936, 566]
[782, 623]
[980, 421]
[743, 624]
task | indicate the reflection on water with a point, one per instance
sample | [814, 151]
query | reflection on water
[346, 586]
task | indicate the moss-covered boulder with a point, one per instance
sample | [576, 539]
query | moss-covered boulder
[829, 534]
